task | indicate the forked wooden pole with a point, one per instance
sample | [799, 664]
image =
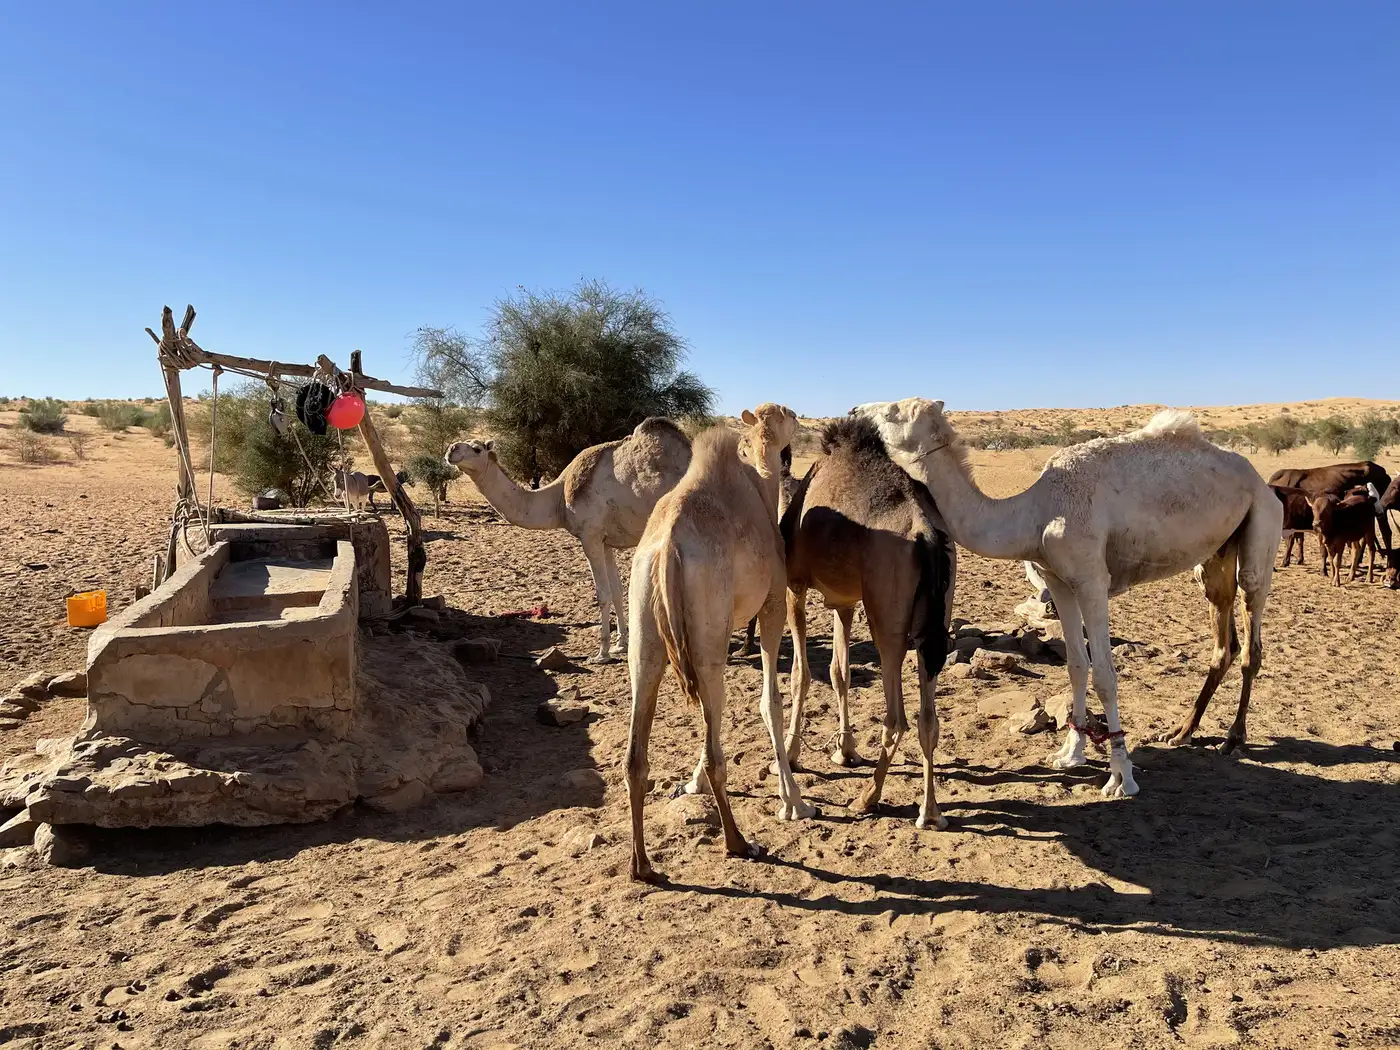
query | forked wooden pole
[417, 555]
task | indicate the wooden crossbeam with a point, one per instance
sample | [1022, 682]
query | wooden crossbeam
[184, 352]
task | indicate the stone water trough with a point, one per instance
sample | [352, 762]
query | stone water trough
[247, 690]
[256, 647]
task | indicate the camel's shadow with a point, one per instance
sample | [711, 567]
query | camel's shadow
[1212, 847]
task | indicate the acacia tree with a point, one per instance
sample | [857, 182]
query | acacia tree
[561, 371]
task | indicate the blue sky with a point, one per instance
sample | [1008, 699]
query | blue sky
[999, 204]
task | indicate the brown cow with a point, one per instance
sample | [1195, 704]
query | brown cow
[1347, 523]
[1334, 480]
[1297, 521]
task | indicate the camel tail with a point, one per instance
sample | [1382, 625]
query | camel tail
[668, 606]
[928, 627]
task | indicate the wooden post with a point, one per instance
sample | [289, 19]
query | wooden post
[417, 555]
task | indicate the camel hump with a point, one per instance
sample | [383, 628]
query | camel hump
[660, 427]
[1172, 422]
[856, 433]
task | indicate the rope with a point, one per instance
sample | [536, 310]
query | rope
[213, 434]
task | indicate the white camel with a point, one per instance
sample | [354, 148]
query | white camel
[1105, 516]
[602, 498]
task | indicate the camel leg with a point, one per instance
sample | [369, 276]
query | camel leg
[891, 677]
[845, 753]
[596, 553]
[1255, 579]
[619, 599]
[770, 636]
[711, 682]
[801, 677]
[747, 649]
[1288, 548]
[1218, 581]
[929, 815]
[1095, 611]
[1071, 752]
[646, 665]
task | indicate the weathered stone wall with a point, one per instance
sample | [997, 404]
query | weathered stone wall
[303, 535]
[168, 684]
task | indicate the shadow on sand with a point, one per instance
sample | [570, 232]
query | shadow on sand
[1232, 850]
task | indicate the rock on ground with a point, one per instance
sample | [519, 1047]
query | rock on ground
[70, 683]
[62, 847]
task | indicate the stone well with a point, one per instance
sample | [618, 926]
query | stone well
[225, 648]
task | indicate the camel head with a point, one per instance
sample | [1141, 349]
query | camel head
[471, 457]
[910, 427]
[770, 427]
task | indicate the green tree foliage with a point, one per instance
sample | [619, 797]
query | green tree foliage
[1277, 435]
[1373, 435]
[45, 416]
[259, 458]
[433, 472]
[561, 371]
[1332, 433]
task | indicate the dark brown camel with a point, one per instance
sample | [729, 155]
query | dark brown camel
[859, 529]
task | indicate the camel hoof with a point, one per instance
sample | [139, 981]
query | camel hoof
[690, 787]
[745, 850]
[864, 805]
[799, 810]
[601, 658]
[646, 873]
[1173, 738]
[1231, 744]
[938, 824]
[846, 759]
[1117, 787]
[793, 764]
[1059, 761]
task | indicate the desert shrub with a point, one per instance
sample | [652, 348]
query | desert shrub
[45, 416]
[255, 455]
[92, 408]
[29, 446]
[78, 444]
[117, 415]
[1373, 435]
[4, 400]
[393, 411]
[435, 473]
[1278, 434]
[1001, 440]
[562, 371]
[1332, 433]
[433, 425]
[158, 421]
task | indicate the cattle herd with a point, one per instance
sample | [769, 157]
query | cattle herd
[1344, 504]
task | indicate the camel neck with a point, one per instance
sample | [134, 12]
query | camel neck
[770, 481]
[541, 508]
[993, 528]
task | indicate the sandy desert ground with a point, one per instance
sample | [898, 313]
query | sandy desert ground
[1236, 901]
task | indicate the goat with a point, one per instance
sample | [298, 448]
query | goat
[1297, 521]
[1347, 523]
[1335, 479]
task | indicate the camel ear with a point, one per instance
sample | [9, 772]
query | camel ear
[938, 405]
[749, 418]
[490, 444]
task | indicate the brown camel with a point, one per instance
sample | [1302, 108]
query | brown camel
[711, 557]
[859, 529]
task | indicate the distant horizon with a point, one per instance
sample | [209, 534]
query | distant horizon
[1020, 205]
